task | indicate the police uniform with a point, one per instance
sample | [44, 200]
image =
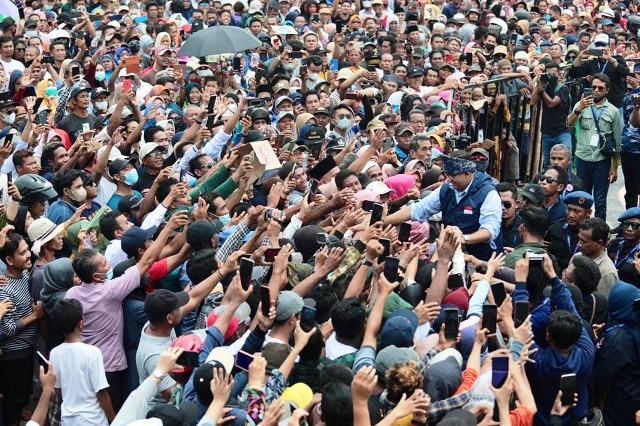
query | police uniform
[623, 254]
[562, 239]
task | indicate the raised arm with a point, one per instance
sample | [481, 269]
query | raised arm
[150, 255]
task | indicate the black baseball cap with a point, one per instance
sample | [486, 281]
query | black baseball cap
[119, 164]
[128, 203]
[160, 302]
[134, 238]
[201, 231]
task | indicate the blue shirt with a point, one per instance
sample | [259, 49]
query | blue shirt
[490, 211]
[60, 211]
[630, 140]
[115, 199]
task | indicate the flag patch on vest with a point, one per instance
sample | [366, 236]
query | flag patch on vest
[468, 210]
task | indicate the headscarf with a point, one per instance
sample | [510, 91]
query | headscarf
[14, 77]
[400, 184]
[187, 90]
[119, 51]
[159, 38]
[58, 278]
[47, 102]
[621, 300]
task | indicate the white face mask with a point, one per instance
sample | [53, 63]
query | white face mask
[313, 76]
[9, 118]
[102, 106]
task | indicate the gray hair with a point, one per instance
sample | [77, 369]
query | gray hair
[565, 149]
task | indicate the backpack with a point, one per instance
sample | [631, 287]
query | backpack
[568, 107]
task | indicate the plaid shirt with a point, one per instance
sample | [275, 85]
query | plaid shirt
[61, 110]
[234, 242]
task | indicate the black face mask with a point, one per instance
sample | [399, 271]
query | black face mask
[489, 47]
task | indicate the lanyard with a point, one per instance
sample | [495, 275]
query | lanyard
[603, 68]
[618, 262]
[597, 118]
[566, 228]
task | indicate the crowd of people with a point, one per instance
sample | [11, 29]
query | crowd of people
[388, 212]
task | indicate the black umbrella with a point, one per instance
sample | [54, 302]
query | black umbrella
[217, 40]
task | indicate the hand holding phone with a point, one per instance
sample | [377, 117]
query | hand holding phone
[265, 300]
[246, 270]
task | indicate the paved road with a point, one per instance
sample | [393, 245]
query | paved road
[615, 200]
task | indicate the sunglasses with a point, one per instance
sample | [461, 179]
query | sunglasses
[507, 204]
[547, 179]
[341, 116]
[634, 225]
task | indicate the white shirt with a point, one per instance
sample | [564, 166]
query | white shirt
[334, 349]
[114, 253]
[80, 376]
[11, 66]
[106, 189]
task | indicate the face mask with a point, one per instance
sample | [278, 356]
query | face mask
[9, 119]
[107, 275]
[102, 106]
[289, 67]
[481, 166]
[48, 7]
[343, 123]
[31, 33]
[50, 91]
[224, 219]
[422, 38]
[78, 196]
[100, 75]
[131, 178]
[489, 47]
[212, 23]
[314, 76]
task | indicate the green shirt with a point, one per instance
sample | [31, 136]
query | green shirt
[609, 123]
[518, 253]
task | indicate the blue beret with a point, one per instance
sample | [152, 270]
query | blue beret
[633, 212]
[579, 198]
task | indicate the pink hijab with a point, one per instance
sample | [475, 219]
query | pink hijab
[400, 184]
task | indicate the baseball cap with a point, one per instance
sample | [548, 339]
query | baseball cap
[533, 192]
[312, 134]
[285, 114]
[77, 90]
[289, 304]
[281, 99]
[98, 91]
[160, 302]
[376, 125]
[399, 329]
[234, 323]
[242, 312]
[172, 415]
[128, 203]
[299, 394]
[601, 39]
[113, 154]
[415, 72]
[379, 188]
[119, 164]
[282, 85]
[202, 231]
[135, 237]
[321, 110]
[392, 355]
[402, 128]
[148, 148]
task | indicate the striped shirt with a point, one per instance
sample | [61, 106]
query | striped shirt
[17, 290]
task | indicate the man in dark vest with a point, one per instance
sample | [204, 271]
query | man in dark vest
[468, 200]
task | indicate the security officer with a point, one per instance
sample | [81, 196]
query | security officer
[467, 200]
[624, 250]
[562, 237]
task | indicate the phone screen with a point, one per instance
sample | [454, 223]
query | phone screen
[43, 362]
[489, 317]
[313, 188]
[499, 293]
[188, 359]
[376, 213]
[499, 371]
[271, 253]
[521, 312]
[455, 281]
[386, 245]
[36, 104]
[322, 238]
[43, 116]
[367, 205]
[8, 139]
[308, 315]
[246, 270]
[451, 323]
[212, 104]
[265, 299]
[75, 71]
[243, 360]
[404, 232]
[391, 265]
[568, 388]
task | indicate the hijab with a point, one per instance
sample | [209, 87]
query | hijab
[58, 278]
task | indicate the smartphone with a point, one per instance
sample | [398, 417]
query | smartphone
[588, 92]
[455, 281]
[43, 118]
[490, 317]
[275, 41]
[256, 103]
[75, 14]
[322, 238]
[334, 65]
[351, 95]
[514, 38]
[75, 71]
[404, 232]
[367, 205]
[80, 34]
[376, 213]
[246, 270]
[451, 324]
[595, 52]
[499, 370]
[7, 140]
[210, 121]
[468, 57]
[97, 18]
[44, 362]
[265, 298]
[259, 75]
[86, 128]
[271, 253]
[237, 64]
[296, 54]
[386, 245]
[448, 58]
[188, 359]
[9, 177]
[521, 311]
[315, 17]
[308, 315]
[313, 189]
[303, 70]
[126, 85]
[408, 49]
[29, 91]
[339, 26]
[47, 59]
[535, 260]
[499, 293]
[371, 68]
[391, 265]
[197, 26]
[244, 360]
[212, 104]
[568, 388]
[36, 104]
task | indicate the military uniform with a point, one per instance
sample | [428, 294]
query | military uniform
[623, 253]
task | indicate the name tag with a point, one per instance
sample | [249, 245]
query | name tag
[595, 140]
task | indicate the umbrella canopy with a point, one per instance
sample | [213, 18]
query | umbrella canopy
[7, 8]
[217, 40]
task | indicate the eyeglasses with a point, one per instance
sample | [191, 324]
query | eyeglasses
[157, 153]
[547, 179]
[20, 49]
[507, 204]
[634, 225]
[341, 116]
[11, 111]
[208, 166]
[598, 88]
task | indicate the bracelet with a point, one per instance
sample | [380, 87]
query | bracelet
[222, 277]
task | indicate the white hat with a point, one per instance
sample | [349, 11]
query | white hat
[601, 38]
[41, 231]
[521, 54]
[147, 149]
[223, 355]
[114, 24]
[608, 12]
[568, 12]
[439, 26]
[379, 188]
[255, 6]
[113, 154]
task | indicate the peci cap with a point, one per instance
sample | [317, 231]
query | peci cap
[160, 302]
[580, 199]
[134, 238]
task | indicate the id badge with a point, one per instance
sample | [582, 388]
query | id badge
[595, 140]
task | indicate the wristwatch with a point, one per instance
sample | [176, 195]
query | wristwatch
[367, 262]
[465, 238]
[158, 374]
